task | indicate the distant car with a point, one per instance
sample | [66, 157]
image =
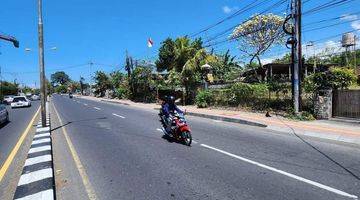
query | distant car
[20, 101]
[4, 114]
[8, 99]
[35, 97]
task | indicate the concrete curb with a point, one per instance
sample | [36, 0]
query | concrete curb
[227, 119]
[109, 101]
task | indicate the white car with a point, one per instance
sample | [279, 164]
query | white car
[8, 99]
[4, 114]
[20, 101]
[35, 97]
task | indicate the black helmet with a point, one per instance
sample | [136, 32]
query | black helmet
[171, 99]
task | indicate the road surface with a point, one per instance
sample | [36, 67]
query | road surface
[125, 156]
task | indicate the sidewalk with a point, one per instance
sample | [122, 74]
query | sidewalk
[326, 129]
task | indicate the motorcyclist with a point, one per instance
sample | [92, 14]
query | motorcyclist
[168, 109]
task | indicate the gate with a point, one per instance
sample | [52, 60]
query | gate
[346, 103]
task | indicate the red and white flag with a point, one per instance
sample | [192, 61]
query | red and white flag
[150, 43]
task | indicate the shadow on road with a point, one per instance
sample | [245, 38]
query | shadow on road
[82, 120]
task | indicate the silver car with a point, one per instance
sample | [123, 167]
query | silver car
[4, 114]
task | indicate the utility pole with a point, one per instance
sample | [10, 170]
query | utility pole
[41, 65]
[297, 57]
[1, 83]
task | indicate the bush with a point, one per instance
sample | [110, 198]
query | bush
[247, 94]
[122, 92]
[204, 99]
[304, 116]
[336, 78]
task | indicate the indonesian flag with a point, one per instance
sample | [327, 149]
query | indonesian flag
[150, 43]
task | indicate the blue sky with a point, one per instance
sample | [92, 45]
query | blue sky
[101, 31]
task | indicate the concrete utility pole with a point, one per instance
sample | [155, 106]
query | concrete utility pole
[297, 56]
[41, 65]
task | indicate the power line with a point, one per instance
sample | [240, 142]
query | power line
[238, 12]
[327, 5]
[278, 3]
[329, 19]
[331, 25]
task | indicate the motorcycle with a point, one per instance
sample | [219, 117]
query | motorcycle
[180, 131]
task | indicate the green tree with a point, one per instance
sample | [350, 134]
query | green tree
[8, 88]
[102, 83]
[167, 56]
[259, 34]
[143, 84]
[60, 78]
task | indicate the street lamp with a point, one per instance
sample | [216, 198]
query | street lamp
[206, 69]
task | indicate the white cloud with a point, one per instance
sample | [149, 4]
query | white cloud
[355, 24]
[227, 9]
[348, 17]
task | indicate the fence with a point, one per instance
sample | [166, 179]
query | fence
[346, 103]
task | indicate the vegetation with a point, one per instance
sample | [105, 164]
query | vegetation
[8, 88]
[258, 34]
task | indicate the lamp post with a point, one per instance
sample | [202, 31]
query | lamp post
[206, 70]
[41, 65]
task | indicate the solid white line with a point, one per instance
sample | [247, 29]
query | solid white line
[41, 141]
[316, 184]
[97, 108]
[39, 159]
[118, 115]
[35, 176]
[38, 149]
[43, 195]
[42, 135]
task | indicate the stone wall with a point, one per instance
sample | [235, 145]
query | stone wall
[323, 104]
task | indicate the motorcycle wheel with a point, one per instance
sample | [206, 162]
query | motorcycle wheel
[187, 138]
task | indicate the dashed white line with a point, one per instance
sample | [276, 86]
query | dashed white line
[85, 104]
[39, 159]
[118, 116]
[97, 108]
[159, 129]
[35, 176]
[313, 183]
[194, 141]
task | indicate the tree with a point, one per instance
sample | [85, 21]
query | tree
[59, 78]
[82, 80]
[102, 83]
[8, 88]
[143, 84]
[286, 59]
[174, 54]
[167, 56]
[258, 34]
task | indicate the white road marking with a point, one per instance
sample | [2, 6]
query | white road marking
[43, 129]
[97, 108]
[38, 149]
[159, 129]
[43, 195]
[41, 141]
[39, 159]
[35, 176]
[78, 101]
[118, 115]
[42, 135]
[195, 142]
[217, 121]
[85, 104]
[316, 184]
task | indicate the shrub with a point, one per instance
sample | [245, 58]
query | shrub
[336, 78]
[122, 92]
[247, 94]
[204, 99]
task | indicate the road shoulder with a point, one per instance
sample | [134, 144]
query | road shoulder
[67, 178]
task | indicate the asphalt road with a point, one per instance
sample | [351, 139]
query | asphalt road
[11, 132]
[126, 157]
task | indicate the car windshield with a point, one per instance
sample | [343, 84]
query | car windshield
[18, 99]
